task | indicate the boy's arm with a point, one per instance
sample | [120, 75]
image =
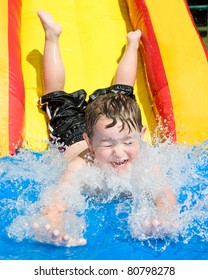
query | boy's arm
[166, 219]
[53, 229]
[166, 204]
[166, 201]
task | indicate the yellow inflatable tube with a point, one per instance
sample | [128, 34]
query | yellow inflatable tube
[94, 34]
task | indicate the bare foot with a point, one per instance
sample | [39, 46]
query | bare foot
[134, 37]
[52, 29]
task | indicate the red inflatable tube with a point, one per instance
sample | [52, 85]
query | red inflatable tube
[16, 84]
[155, 71]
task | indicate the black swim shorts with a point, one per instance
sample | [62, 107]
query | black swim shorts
[66, 112]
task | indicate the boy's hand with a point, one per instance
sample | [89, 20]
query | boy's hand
[157, 227]
[51, 228]
[47, 234]
[152, 226]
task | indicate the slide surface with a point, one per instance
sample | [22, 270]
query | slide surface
[171, 87]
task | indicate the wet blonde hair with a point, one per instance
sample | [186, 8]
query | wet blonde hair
[115, 107]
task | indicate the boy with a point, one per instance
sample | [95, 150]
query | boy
[105, 133]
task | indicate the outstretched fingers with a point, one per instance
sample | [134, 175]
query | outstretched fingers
[47, 234]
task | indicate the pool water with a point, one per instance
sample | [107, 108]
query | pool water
[107, 233]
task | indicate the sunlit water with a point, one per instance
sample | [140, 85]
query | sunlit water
[110, 209]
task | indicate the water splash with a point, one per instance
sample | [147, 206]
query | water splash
[28, 181]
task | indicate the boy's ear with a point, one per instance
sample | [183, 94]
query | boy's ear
[88, 141]
[144, 128]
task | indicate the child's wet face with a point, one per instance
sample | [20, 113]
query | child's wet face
[113, 147]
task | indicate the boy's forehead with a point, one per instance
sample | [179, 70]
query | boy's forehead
[103, 123]
[106, 121]
[111, 132]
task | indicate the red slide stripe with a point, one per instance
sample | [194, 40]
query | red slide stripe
[16, 85]
[154, 66]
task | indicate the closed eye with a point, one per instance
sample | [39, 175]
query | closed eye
[128, 143]
[107, 146]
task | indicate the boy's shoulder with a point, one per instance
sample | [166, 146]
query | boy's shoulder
[77, 163]
[72, 169]
[76, 150]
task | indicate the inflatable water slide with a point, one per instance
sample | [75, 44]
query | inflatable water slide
[171, 87]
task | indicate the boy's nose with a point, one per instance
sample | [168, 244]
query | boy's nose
[118, 151]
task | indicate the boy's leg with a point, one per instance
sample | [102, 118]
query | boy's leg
[127, 68]
[53, 67]
[65, 111]
[125, 76]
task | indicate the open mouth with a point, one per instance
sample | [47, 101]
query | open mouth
[119, 164]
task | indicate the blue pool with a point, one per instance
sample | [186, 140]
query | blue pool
[107, 233]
